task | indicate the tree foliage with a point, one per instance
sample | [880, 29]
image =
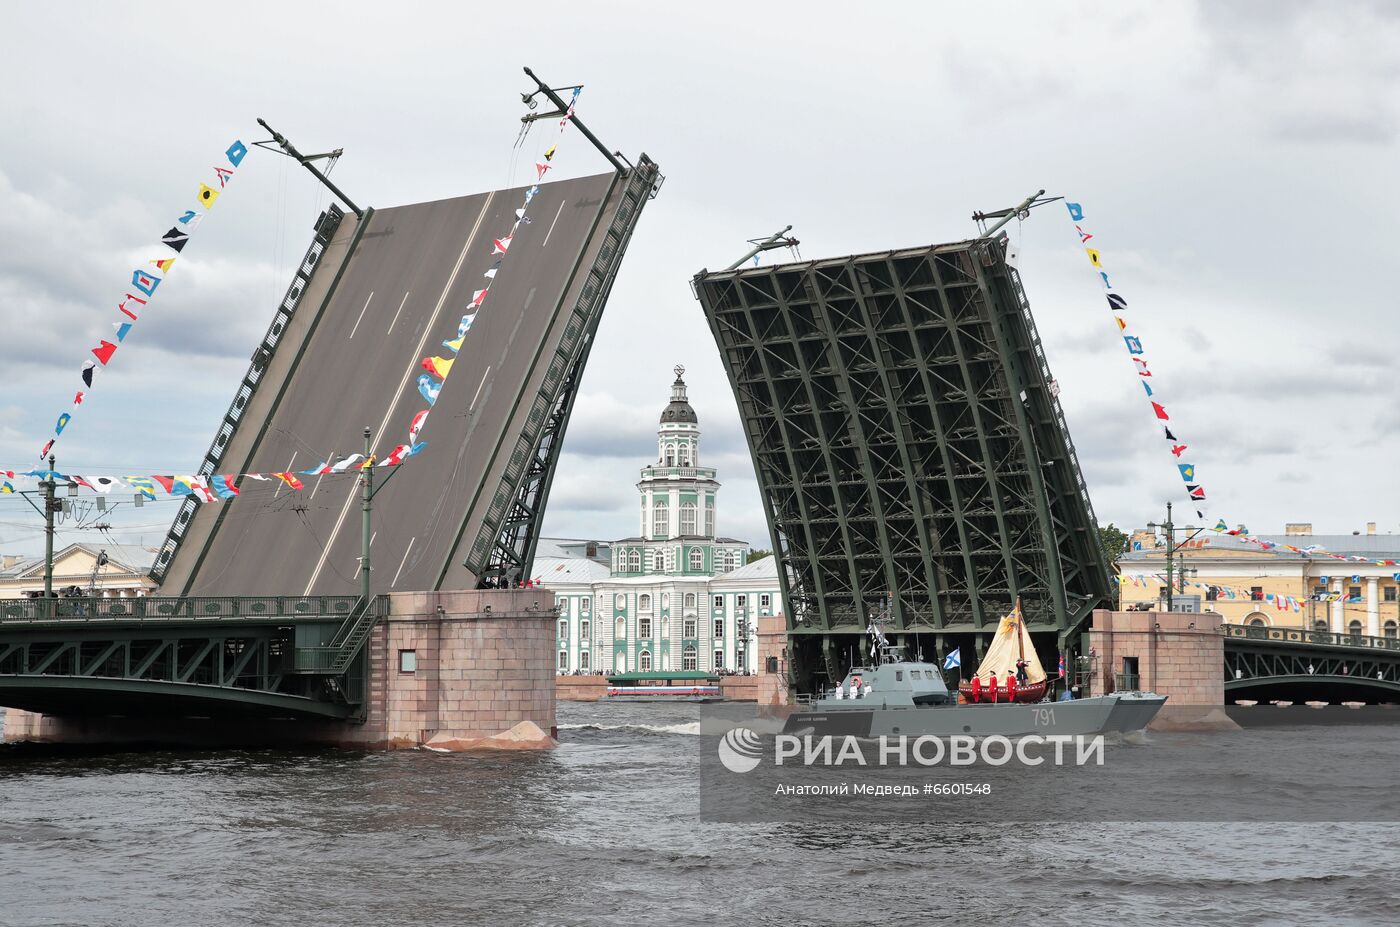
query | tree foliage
[1114, 542]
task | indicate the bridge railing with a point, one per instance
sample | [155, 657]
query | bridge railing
[1306, 636]
[15, 612]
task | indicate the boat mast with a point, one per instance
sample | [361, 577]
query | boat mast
[1021, 624]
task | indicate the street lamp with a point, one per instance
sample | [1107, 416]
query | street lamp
[1170, 530]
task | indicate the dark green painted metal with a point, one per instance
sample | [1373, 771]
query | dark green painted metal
[1281, 658]
[508, 544]
[241, 650]
[178, 609]
[97, 695]
[907, 443]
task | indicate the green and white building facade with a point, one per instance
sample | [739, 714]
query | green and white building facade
[675, 597]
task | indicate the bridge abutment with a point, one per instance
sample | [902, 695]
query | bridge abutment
[1176, 654]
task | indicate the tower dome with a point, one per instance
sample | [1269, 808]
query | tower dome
[678, 410]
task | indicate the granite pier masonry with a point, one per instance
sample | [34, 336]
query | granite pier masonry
[454, 670]
[1176, 654]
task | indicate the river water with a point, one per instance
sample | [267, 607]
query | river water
[606, 830]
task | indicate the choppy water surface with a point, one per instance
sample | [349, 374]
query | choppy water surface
[605, 830]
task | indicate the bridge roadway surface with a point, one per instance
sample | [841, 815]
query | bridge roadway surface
[402, 293]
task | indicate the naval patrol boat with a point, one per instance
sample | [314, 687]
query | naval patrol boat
[898, 696]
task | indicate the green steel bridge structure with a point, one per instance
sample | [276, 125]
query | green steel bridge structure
[914, 462]
[289, 657]
[1296, 664]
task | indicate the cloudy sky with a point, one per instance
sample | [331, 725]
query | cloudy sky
[1236, 161]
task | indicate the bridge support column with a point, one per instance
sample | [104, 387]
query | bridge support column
[1177, 654]
[772, 669]
[463, 671]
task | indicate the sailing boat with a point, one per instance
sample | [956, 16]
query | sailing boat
[1011, 646]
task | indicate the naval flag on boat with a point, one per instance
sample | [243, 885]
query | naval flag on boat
[953, 660]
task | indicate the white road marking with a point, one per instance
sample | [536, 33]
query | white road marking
[411, 370]
[551, 226]
[362, 314]
[281, 484]
[478, 389]
[403, 561]
[396, 314]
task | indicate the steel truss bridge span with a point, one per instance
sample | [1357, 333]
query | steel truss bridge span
[1264, 663]
[290, 657]
[910, 449]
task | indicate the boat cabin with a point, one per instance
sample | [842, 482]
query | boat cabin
[893, 684]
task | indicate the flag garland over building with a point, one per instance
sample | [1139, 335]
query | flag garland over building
[144, 281]
[1118, 307]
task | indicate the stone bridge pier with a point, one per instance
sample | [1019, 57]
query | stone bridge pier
[462, 670]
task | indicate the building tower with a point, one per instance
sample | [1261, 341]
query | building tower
[677, 503]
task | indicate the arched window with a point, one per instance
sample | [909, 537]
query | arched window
[689, 659]
[670, 455]
[660, 519]
[584, 627]
[634, 562]
[683, 458]
[687, 518]
[644, 602]
[584, 663]
[665, 627]
[1355, 627]
[1257, 620]
[620, 629]
[1391, 629]
[1319, 625]
[644, 661]
[619, 663]
[658, 565]
[665, 598]
[697, 559]
[620, 601]
[690, 600]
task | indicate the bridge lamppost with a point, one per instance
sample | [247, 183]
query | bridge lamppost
[1170, 529]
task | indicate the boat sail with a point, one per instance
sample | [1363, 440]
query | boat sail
[1010, 646]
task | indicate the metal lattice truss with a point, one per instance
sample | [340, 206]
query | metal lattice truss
[907, 440]
[505, 547]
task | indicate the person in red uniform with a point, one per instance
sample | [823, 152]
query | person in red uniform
[976, 690]
[1010, 686]
[992, 687]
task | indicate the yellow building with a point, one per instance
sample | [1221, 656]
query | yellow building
[122, 575]
[1247, 584]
